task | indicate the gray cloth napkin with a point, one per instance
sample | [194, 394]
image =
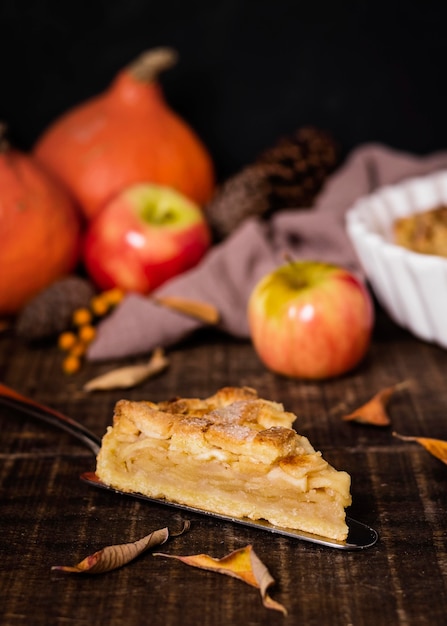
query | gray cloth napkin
[230, 270]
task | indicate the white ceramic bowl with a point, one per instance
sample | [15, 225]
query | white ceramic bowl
[411, 287]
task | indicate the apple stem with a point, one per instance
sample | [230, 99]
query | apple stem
[147, 67]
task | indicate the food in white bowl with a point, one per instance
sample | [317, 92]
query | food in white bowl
[411, 286]
[424, 232]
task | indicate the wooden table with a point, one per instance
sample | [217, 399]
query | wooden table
[49, 517]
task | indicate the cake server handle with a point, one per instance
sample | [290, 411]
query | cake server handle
[14, 400]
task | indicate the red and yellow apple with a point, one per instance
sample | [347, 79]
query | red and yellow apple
[310, 320]
[144, 236]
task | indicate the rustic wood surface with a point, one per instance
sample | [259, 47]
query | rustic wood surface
[49, 517]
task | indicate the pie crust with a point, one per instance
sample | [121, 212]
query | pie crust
[233, 453]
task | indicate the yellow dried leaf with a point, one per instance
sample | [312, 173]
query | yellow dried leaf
[131, 375]
[436, 447]
[243, 564]
[374, 411]
[202, 311]
[112, 557]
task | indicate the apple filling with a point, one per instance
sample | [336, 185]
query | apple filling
[233, 453]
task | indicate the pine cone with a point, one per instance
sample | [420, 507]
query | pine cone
[306, 158]
[50, 312]
[244, 195]
[288, 175]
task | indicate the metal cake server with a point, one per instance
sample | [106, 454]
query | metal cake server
[360, 535]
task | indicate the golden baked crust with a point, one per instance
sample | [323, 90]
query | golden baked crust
[232, 453]
[424, 232]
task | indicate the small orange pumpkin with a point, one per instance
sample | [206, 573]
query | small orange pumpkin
[126, 135]
[40, 229]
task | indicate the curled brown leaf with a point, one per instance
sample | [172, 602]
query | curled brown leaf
[112, 557]
[436, 447]
[243, 564]
[374, 412]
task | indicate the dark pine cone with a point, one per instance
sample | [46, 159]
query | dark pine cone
[288, 175]
[50, 312]
[245, 194]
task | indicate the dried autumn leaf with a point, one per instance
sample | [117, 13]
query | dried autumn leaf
[374, 411]
[129, 376]
[202, 311]
[115, 556]
[436, 447]
[243, 564]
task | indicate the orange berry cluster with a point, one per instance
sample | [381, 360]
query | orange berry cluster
[74, 342]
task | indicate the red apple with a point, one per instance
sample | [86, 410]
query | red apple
[310, 320]
[144, 236]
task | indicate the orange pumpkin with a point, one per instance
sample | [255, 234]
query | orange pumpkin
[40, 230]
[126, 135]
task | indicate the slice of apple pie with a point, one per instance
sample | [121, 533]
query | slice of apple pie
[232, 453]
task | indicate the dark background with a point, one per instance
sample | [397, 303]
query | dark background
[249, 71]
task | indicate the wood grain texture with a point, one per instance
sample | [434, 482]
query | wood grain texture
[49, 517]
